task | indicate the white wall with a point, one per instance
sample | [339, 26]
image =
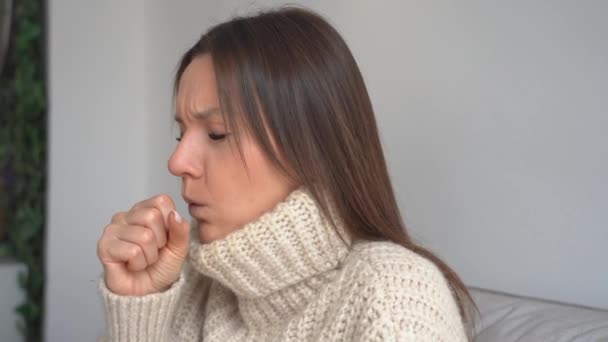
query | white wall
[98, 149]
[491, 115]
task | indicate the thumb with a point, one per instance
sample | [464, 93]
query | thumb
[178, 241]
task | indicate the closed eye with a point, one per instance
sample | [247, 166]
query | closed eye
[216, 137]
[212, 136]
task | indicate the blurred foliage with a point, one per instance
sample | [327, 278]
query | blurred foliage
[23, 148]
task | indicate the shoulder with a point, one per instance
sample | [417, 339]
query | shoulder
[405, 293]
[382, 255]
[388, 263]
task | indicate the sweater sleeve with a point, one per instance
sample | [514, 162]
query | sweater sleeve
[409, 299]
[139, 318]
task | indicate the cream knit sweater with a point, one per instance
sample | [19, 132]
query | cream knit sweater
[288, 276]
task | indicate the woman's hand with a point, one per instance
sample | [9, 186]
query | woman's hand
[142, 251]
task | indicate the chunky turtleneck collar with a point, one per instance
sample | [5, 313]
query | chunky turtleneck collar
[290, 244]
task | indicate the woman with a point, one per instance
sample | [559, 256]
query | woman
[296, 234]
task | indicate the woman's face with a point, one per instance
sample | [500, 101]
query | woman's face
[221, 196]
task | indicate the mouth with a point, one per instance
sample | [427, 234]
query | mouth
[194, 205]
[194, 208]
[196, 211]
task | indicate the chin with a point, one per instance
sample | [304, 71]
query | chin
[204, 239]
[206, 233]
[203, 233]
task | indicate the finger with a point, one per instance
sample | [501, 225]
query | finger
[163, 202]
[138, 263]
[119, 218]
[151, 218]
[179, 234]
[129, 253]
[144, 238]
[178, 241]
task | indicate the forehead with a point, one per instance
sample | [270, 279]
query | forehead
[197, 90]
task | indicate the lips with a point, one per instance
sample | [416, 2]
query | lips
[195, 211]
[191, 201]
[194, 207]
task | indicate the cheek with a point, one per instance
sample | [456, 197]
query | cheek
[241, 189]
[264, 186]
[259, 167]
[224, 173]
[227, 178]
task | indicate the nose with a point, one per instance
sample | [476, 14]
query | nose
[184, 161]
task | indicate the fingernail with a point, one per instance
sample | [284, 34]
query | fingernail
[178, 217]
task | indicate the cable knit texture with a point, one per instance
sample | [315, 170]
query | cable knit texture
[290, 276]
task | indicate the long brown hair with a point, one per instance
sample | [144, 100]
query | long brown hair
[291, 65]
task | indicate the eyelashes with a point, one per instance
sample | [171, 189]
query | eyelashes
[212, 136]
[216, 137]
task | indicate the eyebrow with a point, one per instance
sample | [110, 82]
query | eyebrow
[201, 115]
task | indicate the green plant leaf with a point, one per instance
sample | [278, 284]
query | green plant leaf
[23, 152]
[5, 249]
[22, 279]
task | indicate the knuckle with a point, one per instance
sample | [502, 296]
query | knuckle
[100, 245]
[133, 211]
[133, 251]
[147, 237]
[154, 215]
[108, 230]
[164, 200]
[117, 217]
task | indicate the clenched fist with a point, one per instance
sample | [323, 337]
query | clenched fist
[142, 251]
